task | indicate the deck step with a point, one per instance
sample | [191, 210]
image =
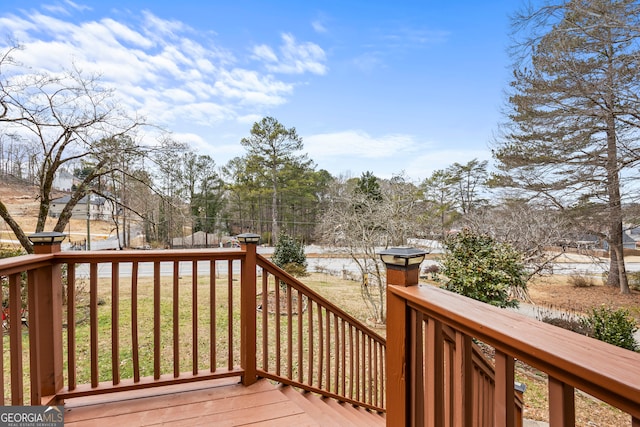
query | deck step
[329, 412]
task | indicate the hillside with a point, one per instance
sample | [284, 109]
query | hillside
[21, 200]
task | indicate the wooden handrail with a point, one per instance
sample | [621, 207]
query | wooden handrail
[571, 360]
[316, 346]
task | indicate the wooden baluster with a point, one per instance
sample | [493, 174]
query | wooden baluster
[230, 314]
[504, 407]
[194, 317]
[265, 318]
[115, 323]
[300, 343]
[336, 356]
[561, 404]
[213, 325]
[320, 347]
[134, 322]
[357, 363]
[289, 333]
[311, 346]
[327, 319]
[462, 381]
[176, 319]
[93, 322]
[434, 344]
[344, 358]
[156, 320]
[352, 362]
[277, 316]
[71, 325]
[15, 340]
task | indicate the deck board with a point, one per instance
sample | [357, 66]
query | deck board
[221, 405]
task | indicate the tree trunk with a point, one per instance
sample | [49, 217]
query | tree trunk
[15, 227]
[615, 210]
[274, 208]
[613, 279]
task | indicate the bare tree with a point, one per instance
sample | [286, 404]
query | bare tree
[69, 117]
[366, 215]
[531, 230]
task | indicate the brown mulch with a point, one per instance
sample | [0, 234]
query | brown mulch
[271, 303]
[556, 292]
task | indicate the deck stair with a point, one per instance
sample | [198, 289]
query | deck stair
[330, 412]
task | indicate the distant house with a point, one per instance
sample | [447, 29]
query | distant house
[99, 208]
[590, 241]
[64, 181]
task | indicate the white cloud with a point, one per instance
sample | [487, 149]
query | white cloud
[162, 69]
[318, 27]
[427, 161]
[353, 152]
[295, 58]
[357, 143]
[265, 53]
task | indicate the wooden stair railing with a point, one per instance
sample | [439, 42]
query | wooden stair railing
[444, 385]
[308, 342]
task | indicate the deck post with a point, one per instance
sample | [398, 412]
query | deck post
[248, 322]
[403, 268]
[45, 315]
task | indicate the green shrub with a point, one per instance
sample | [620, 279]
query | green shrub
[478, 267]
[613, 326]
[8, 252]
[289, 255]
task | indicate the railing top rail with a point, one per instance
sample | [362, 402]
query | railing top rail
[23, 263]
[296, 284]
[607, 372]
[149, 255]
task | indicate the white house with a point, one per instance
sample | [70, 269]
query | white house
[63, 180]
[99, 208]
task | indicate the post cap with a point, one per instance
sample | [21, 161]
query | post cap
[246, 238]
[46, 237]
[402, 256]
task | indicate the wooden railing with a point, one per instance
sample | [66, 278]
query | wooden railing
[139, 319]
[435, 370]
[308, 342]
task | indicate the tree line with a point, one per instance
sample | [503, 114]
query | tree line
[565, 160]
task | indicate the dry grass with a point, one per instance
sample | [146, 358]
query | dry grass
[559, 293]
[22, 203]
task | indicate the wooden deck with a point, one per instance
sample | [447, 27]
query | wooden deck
[220, 403]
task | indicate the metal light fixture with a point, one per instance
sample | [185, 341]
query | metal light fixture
[402, 257]
[46, 237]
[248, 238]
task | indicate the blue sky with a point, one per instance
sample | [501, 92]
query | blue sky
[387, 87]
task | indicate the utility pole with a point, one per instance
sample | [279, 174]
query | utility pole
[88, 196]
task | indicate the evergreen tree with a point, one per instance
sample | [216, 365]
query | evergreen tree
[574, 114]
